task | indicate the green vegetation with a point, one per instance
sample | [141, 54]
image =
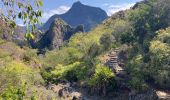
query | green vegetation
[14, 78]
[135, 68]
[73, 72]
[142, 34]
[29, 12]
[103, 80]
[160, 57]
[20, 74]
[147, 55]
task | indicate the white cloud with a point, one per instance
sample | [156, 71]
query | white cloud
[20, 24]
[59, 10]
[115, 8]
[105, 4]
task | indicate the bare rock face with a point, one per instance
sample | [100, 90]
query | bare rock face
[148, 95]
[58, 33]
[163, 95]
[66, 92]
[9, 33]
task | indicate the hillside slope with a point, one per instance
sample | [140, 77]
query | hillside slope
[134, 32]
[136, 40]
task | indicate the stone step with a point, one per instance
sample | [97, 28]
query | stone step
[163, 95]
[113, 61]
[113, 58]
[112, 55]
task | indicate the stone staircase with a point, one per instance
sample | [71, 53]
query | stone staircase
[119, 71]
[114, 62]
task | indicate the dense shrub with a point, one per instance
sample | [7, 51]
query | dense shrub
[106, 41]
[29, 55]
[160, 59]
[14, 93]
[14, 76]
[136, 69]
[65, 56]
[73, 72]
[103, 80]
[137, 82]
[127, 38]
[17, 77]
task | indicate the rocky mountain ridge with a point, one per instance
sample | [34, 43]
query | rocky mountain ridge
[58, 33]
[80, 14]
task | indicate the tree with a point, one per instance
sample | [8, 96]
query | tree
[127, 38]
[26, 10]
[139, 18]
[148, 17]
[157, 68]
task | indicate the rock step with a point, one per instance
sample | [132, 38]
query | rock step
[163, 95]
[113, 62]
[113, 59]
[113, 56]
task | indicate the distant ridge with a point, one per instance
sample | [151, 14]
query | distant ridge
[54, 38]
[80, 14]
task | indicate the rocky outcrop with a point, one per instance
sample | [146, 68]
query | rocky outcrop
[58, 33]
[11, 34]
[163, 95]
[148, 95]
[80, 14]
[66, 91]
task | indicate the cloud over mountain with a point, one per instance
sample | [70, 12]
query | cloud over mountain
[60, 10]
[115, 8]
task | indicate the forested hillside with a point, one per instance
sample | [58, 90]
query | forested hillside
[126, 57]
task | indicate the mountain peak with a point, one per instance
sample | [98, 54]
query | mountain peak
[77, 3]
[80, 14]
[59, 21]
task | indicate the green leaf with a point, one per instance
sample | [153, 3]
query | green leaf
[20, 15]
[33, 27]
[25, 15]
[29, 36]
[13, 24]
[40, 2]
[20, 5]
[29, 8]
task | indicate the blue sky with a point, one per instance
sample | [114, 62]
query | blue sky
[52, 7]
